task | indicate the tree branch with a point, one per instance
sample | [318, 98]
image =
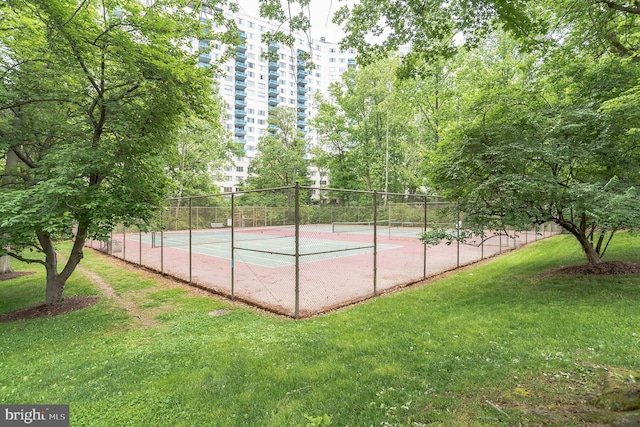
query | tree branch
[626, 9]
[25, 260]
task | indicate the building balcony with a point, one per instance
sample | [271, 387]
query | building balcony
[301, 123]
[241, 56]
[240, 113]
[302, 90]
[302, 115]
[301, 106]
[302, 72]
[241, 75]
[204, 57]
[273, 101]
[240, 140]
[302, 81]
[240, 132]
[240, 65]
[241, 84]
[274, 92]
[242, 35]
[273, 65]
[274, 74]
[241, 94]
[240, 122]
[302, 98]
[241, 48]
[273, 46]
[273, 127]
[241, 103]
[273, 83]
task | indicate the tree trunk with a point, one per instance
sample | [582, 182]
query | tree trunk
[57, 281]
[5, 265]
[593, 257]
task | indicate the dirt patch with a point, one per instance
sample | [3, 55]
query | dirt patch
[42, 310]
[604, 268]
[15, 274]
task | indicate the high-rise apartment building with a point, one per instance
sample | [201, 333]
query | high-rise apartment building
[252, 85]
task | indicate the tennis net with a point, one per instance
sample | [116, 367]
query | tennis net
[358, 226]
[221, 236]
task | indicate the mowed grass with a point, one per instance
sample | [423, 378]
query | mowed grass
[496, 344]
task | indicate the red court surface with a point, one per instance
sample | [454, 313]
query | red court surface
[325, 281]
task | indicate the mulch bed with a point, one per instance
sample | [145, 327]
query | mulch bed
[9, 276]
[41, 310]
[603, 268]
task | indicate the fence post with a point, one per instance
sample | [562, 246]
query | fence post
[297, 246]
[140, 245]
[162, 243]
[124, 242]
[190, 241]
[458, 237]
[424, 246]
[375, 243]
[233, 245]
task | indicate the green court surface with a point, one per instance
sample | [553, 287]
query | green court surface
[263, 250]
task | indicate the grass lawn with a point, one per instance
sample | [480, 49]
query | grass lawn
[498, 344]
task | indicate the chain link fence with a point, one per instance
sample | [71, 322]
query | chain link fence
[300, 251]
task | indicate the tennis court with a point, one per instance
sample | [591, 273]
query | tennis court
[298, 257]
[270, 247]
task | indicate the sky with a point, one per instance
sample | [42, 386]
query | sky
[321, 13]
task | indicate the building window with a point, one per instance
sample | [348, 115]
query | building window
[239, 168]
[228, 190]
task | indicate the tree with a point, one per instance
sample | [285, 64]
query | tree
[535, 144]
[203, 146]
[93, 93]
[370, 130]
[438, 28]
[282, 157]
